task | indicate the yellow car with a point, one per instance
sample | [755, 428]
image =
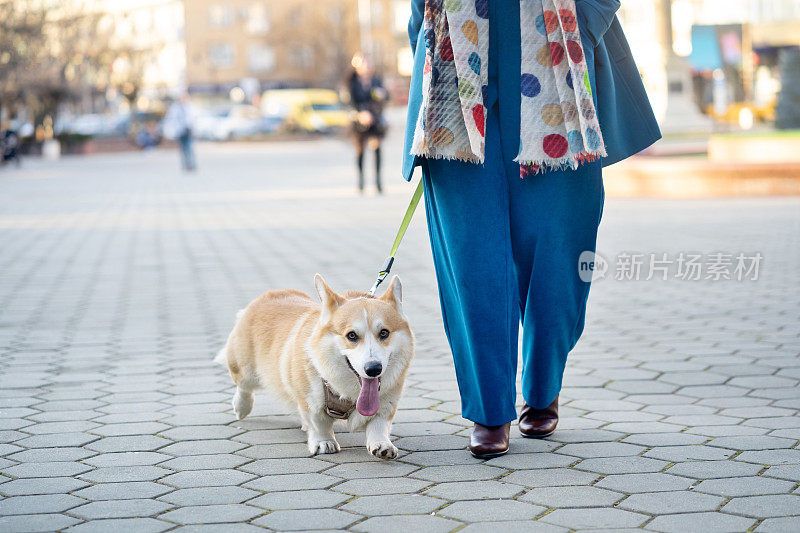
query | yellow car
[310, 110]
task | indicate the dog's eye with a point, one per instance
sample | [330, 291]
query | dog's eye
[383, 333]
[352, 335]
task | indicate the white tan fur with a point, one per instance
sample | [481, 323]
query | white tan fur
[285, 343]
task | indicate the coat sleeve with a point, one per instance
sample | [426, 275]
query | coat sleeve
[595, 17]
[415, 22]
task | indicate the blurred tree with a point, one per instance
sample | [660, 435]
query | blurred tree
[787, 112]
[21, 45]
[53, 53]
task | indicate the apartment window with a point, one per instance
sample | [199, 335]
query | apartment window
[258, 19]
[220, 15]
[221, 55]
[300, 57]
[260, 58]
[296, 16]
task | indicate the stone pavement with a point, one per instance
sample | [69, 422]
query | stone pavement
[121, 277]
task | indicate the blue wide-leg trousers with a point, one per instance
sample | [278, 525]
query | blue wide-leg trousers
[506, 251]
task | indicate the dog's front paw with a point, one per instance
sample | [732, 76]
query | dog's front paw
[323, 446]
[383, 450]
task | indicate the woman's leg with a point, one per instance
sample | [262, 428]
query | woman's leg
[554, 217]
[360, 141]
[375, 144]
[467, 211]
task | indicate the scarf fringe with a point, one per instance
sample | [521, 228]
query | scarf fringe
[450, 157]
[570, 162]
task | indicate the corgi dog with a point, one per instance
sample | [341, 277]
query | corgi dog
[343, 358]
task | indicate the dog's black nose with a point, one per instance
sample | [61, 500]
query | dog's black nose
[373, 368]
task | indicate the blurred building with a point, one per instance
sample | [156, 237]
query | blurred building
[153, 31]
[735, 42]
[259, 44]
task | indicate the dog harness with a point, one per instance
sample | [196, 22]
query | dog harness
[336, 406]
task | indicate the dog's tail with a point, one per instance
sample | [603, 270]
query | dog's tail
[222, 356]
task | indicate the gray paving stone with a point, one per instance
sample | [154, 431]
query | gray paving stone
[36, 523]
[601, 449]
[550, 477]
[139, 525]
[473, 490]
[292, 482]
[687, 453]
[710, 522]
[760, 442]
[771, 457]
[58, 469]
[650, 482]
[206, 478]
[55, 440]
[306, 499]
[777, 505]
[790, 472]
[614, 519]
[123, 491]
[378, 486]
[486, 510]
[126, 459]
[46, 455]
[713, 469]
[133, 508]
[211, 514]
[46, 503]
[578, 496]
[394, 504]
[745, 486]
[134, 443]
[665, 439]
[33, 486]
[370, 470]
[685, 501]
[118, 474]
[405, 523]
[621, 465]
[204, 462]
[516, 461]
[517, 526]
[220, 528]
[458, 473]
[306, 519]
[779, 525]
[298, 465]
[202, 447]
[132, 428]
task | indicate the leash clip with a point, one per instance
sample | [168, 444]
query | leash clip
[387, 267]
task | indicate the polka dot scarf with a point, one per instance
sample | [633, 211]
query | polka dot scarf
[559, 127]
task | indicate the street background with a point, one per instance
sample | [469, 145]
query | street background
[121, 274]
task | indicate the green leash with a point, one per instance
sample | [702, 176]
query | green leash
[387, 266]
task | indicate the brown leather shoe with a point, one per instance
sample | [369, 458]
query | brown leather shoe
[538, 423]
[489, 441]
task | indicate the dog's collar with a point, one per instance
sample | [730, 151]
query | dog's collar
[335, 405]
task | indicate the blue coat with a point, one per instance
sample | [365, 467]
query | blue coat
[626, 118]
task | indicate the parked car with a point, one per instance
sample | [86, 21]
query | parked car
[229, 123]
[309, 110]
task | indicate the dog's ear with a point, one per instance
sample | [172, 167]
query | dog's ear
[394, 294]
[329, 298]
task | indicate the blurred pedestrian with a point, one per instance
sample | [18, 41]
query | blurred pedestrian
[181, 117]
[515, 107]
[9, 145]
[367, 98]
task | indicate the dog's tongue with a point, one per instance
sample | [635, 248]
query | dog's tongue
[368, 399]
